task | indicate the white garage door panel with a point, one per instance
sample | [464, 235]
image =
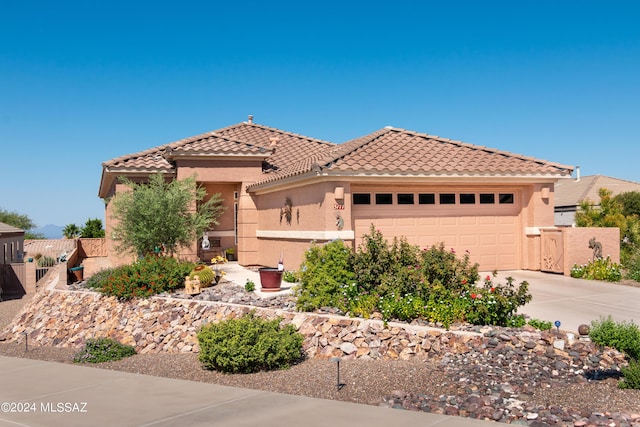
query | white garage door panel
[491, 240]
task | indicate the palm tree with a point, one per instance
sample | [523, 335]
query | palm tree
[71, 231]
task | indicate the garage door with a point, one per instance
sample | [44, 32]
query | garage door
[483, 221]
[491, 240]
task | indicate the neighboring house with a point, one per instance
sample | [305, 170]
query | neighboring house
[284, 190]
[11, 244]
[571, 193]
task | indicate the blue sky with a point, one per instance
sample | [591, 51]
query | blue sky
[82, 82]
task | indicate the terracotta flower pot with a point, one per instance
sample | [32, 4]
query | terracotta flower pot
[270, 279]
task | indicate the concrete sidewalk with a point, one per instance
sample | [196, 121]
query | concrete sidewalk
[58, 394]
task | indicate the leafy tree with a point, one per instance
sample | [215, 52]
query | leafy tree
[20, 221]
[630, 202]
[161, 214]
[92, 229]
[71, 231]
[611, 214]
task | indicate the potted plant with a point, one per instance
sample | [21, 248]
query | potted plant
[230, 254]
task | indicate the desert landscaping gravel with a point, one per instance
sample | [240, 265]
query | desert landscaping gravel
[496, 382]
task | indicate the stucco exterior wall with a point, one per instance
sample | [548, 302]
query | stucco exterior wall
[576, 245]
[11, 247]
[115, 258]
[289, 229]
[538, 206]
[230, 177]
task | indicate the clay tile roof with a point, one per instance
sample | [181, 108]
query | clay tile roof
[573, 192]
[53, 247]
[288, 148]
[9, 229]
[402, 152]
[207, 144]
[281, 148]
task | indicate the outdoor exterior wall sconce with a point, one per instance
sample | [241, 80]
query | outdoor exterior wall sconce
[545, 193]
[338, 193]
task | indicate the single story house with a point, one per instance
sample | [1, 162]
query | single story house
[283, 191]
[11, 244]
[572, 192]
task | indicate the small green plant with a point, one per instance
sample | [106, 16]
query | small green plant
[249, 286]
[623, 336]
[290, 277]
[100, 350]
[542, 325]
[599, 269]
[249, 344]
[517, 321]
[46, 261]
[631, 375]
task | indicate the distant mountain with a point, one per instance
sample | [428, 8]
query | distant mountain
[50, 231]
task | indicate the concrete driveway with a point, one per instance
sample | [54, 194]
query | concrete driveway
[575, 301]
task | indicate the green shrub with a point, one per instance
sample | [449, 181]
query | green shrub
[324, 273]
[249, 344]
[599, 269]
[517, 321]
[45, 261]
[290, 277]
[401, 282]
[631, 376]
[632, 266]
[249, 286]
[372, 260]
[623, 336]
[542, 325]
[100, 350]
[96, 280]
[495, 303]
[443, 267]
[148, 276]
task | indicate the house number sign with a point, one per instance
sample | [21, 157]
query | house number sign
[338, 207]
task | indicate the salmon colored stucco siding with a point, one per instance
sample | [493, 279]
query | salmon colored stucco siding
[498, 236]
[314, 218]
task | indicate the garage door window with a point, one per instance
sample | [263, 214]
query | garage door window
[361, 198]
[447, 199]
[384, 199]
[467, 199]
[427, 199]
[405, 199]
[487, 199]
[506, 198]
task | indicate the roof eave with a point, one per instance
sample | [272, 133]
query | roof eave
[109, 176]
[217, 156]
[378, 176]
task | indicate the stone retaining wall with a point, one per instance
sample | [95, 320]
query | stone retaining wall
[68, 318]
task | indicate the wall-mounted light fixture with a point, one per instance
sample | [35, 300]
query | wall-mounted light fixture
[544, 193]
[338, 193]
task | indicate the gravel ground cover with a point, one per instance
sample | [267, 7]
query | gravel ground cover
[500, 384]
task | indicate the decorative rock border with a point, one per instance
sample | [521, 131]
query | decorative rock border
[160, 324]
